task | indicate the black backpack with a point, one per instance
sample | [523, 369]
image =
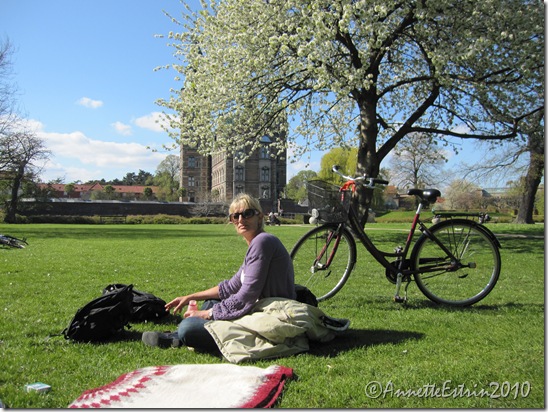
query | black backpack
[304, 295]
[146, 306]
[103, 317]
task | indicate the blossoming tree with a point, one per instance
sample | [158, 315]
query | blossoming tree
[361, 73]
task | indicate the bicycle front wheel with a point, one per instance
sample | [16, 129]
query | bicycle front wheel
[323, 260]
[12, 242]
[464, 278]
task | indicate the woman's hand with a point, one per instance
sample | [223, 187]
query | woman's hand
[178, 304]
[204, 314]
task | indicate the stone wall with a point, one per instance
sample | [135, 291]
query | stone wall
[119, 208]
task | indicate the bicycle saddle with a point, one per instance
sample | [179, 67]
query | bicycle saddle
[429, 195]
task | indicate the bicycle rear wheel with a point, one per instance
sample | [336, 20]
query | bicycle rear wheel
[323, 260]
[468, 279]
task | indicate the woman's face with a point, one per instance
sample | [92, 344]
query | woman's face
[247, 221]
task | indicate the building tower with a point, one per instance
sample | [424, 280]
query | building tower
[220, 177]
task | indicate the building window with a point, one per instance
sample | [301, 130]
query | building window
[265, 174]
[191, 181]
[239, 189]
[239, 174]
[264, 152]
[191, 162]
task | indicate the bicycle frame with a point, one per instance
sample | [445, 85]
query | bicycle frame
[324, 248]
[400, 253]
[379, 255]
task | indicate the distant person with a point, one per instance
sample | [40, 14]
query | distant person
[273, 219]
[484, 218]
[267, 271]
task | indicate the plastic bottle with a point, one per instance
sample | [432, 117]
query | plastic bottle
[192, 306]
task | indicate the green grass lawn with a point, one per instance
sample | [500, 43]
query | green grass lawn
[418, 355]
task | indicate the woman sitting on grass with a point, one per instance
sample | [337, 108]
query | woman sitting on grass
[267, 271]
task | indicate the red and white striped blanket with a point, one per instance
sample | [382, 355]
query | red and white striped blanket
[190, 386]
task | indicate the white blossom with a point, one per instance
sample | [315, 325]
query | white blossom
[362, 71]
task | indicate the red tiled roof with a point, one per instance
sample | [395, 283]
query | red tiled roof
[95, 187]
[133, 189]
[391, 190]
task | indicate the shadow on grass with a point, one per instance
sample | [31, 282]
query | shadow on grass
[384, 303]
[361, 338]
[522, 245]
[477, 308]
[507, 306]
[165, 324]
[351, 339]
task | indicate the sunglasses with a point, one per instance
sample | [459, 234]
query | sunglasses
[246, 214]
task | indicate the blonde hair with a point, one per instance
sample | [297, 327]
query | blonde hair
[244, 201]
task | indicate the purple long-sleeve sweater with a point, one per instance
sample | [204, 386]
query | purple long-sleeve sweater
[267, 272]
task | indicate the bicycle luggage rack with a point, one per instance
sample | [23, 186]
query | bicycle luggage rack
[325, 198]
[443, 214]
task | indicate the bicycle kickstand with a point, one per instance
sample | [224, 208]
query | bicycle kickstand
[397, 297]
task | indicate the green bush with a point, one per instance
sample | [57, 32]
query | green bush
[406, 216]
[398, 216]
[58, 219]
[131, 219]
[166, 219]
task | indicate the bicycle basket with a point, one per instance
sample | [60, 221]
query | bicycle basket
[325, 198]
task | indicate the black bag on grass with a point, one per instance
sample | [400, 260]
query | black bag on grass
[146, 306]
[103, 317]
[304, 295]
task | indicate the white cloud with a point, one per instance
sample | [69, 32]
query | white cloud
[97, 152]
[53, 170]
[152, 121]
[89, 103]
[76, 156]
[121, 128]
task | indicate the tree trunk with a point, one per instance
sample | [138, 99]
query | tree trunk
[532, 179]
[11, 211]
[368, 161]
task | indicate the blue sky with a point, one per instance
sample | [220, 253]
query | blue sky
[85, 73]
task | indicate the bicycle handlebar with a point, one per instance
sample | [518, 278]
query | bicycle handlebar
[372, 180]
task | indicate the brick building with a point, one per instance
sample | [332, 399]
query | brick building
[221, 176]
[84, 191]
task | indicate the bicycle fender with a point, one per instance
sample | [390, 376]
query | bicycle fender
[476, 225]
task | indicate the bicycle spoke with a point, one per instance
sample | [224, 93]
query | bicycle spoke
[465, 278]
[323, 259]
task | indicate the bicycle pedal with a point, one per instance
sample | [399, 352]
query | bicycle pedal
[399, 299]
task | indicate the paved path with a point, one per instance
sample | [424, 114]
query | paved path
[506, 235]
[519, 236]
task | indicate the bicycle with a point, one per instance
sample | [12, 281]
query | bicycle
[455, 261]
[10, 241]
